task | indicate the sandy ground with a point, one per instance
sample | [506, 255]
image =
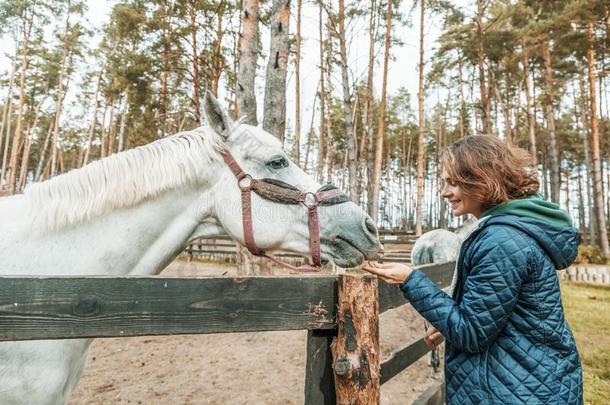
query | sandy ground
[235, 368]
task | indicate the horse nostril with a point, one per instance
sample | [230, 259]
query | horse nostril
[370, 225]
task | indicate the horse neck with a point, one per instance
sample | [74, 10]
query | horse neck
[160, 229]
[140, 240]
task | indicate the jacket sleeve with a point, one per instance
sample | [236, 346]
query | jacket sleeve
[498, 266]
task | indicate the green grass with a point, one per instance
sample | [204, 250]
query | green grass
[587, 309]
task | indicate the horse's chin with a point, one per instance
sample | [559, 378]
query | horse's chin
[347, 262]
[345, 254]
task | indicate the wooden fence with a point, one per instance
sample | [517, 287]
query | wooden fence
[76, 307]
[586, 274]
[397, 248]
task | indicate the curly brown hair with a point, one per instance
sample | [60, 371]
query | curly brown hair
[489, 170]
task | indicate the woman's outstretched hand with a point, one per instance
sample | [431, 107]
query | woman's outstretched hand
[391, 273]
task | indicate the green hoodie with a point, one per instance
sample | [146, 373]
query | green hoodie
[534, 206]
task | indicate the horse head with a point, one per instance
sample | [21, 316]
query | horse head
[436, 246]
[347, 234]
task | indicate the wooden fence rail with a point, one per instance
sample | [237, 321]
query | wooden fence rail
[397, 249]
[77, 307]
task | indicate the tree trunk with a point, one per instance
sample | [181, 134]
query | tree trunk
[485, 115]
[94, 117]
[409, 184]
[422, 122]
[580, 176]
[439, 148]
[17, 137]
[164, 74]
[6, 118]
[218, 56]
[566, 174]
[25, 158]
[7, 145]
[549, 85]
[274, 120]
[608, 197]
[587, 152]
[376, 178]
[581, 202]
[347, 108]
[104, 135]
[503, 101]
[124, 110]
[112, 129]
[248, 57]
[248, 264]
[296, 148]
[462, 99]
[329, 106]
[40, 169]
[386, 211]
[311, 132]
[595, 146]
[195, 60]
[367, 144]
[231, 85]
[60, 98]
[322, 98]
[531, 122]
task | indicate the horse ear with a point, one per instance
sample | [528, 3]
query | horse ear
[216, 116]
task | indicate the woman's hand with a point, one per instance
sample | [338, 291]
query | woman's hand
[391, 273]
[433, 338]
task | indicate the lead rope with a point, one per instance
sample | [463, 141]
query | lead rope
[434, 359]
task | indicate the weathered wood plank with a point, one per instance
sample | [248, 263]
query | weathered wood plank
[390, 296]
[402, 358]
[64, 307]
[319, 377]
[234, 252]
[211, 251]
[356, 348]
[434, 395]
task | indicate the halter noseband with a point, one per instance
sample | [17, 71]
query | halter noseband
[283, 193]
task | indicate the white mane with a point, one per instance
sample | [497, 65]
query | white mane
[122, 180]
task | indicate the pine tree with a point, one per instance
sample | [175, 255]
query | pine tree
[422, 124]
[248, 57]
[376, 177]
[274, 120]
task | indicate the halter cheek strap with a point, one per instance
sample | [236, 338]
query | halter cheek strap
[283, 194]
[244, 181]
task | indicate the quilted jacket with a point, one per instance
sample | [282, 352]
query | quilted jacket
[507, 341]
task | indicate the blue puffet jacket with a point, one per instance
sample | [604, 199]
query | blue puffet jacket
[507, 341]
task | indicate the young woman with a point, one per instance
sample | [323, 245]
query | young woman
[507, 341]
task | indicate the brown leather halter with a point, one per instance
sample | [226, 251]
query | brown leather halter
[280, 192]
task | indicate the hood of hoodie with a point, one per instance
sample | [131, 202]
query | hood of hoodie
[544, 222]
[534, 206]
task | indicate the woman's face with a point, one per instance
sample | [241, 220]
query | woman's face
[461, 203]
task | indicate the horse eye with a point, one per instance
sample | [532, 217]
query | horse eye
[278, 163]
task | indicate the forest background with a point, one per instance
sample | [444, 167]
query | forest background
[315, 74]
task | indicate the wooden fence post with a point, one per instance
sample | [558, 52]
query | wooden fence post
[319, 379]
[356, 347]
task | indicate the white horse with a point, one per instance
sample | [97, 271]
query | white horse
[436, 246]
[133, 212]
[440, 245]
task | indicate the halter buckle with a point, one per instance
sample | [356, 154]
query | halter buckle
[310, 199]
[247, 185]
